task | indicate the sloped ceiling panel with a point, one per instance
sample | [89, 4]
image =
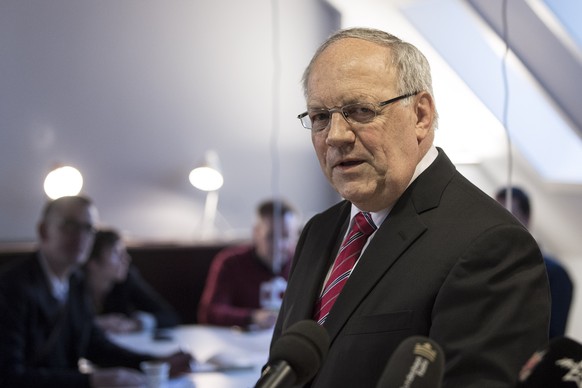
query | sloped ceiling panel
[549, 58]
[544, 131]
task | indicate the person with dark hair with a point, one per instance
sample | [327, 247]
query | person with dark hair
[561, 285]
[520, 205]
[414, 248]
[123, 301]
[47, 325]
[245, 283]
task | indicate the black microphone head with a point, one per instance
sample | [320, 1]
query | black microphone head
[559, 365]
[418, 362]
[303, 346]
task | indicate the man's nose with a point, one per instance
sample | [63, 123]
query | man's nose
[340, 130]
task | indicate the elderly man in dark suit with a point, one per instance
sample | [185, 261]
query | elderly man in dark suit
[443, 259]
[46, 324]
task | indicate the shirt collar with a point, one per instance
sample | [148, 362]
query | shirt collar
[379, 216]
[59, 288]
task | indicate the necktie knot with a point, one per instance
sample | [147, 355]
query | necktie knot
[364, 222]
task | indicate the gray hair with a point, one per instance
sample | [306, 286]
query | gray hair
[411, 65]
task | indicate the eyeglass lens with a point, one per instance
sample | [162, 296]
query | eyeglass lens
[354, 113]
[71, 226]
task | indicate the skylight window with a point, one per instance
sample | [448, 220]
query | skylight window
[537, 128]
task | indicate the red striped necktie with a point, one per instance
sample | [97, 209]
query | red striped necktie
[349, 252]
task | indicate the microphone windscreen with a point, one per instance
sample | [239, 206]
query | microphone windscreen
[303, 346]
[559, 365]
[418, 362]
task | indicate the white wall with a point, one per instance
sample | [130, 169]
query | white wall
[134, 92]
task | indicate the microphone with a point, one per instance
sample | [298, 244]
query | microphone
[296, 356]
[559, 365]
[418, 362]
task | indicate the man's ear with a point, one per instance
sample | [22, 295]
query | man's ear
[255, 232]
[425, 114]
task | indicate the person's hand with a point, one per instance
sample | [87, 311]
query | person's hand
[116, 377]
[264, 319]
[180, 363]
[117, 323]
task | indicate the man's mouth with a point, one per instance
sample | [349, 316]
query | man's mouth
[349, 163]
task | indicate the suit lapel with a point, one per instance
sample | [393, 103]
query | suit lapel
[48, 305]
[315, 256]
[391, 240]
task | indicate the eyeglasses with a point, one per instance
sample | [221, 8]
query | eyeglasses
[72, 226]
[361, 113]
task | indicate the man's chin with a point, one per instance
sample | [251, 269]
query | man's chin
[355, 195]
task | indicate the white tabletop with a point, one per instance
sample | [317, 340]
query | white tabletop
[246, 350]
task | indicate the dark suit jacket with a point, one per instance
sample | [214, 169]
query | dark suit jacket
[28, 314]
[448, 263]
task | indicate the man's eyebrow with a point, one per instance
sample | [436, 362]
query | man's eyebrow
[320, 107]
[348, 101]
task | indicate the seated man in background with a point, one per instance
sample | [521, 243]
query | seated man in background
[46, 323]
[245, 283]
[561, 287]
[123, 301]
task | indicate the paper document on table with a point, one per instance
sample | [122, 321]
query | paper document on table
[222, 362]
[180, 382]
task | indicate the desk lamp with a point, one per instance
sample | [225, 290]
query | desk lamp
[208, 177]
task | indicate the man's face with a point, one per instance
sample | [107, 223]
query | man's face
[264, 233]
[369, 164]
[67, 234]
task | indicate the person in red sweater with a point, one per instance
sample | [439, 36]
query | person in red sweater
[245, 283]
